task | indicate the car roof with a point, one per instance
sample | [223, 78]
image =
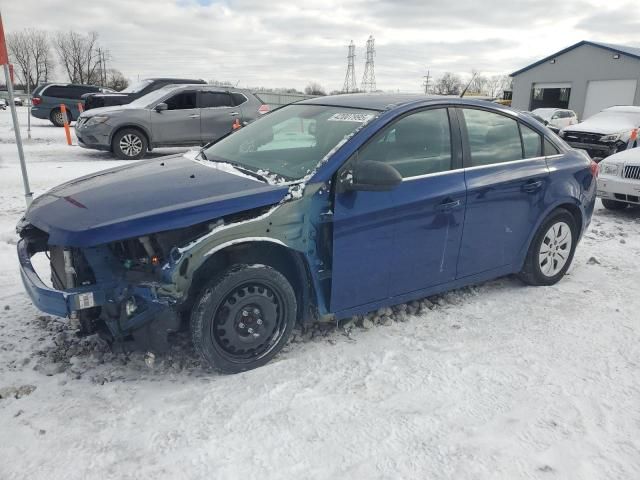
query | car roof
[372, 101]
[175, 79]
[201, 86]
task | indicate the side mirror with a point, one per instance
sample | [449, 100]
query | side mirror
[161, 107]
[371, 176]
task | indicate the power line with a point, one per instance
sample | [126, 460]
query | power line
[350, 77]
[369, 77]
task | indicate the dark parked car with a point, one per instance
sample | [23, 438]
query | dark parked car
[610, 131]
[48, 97]
[174, 115]
[132, 92]
[320, 210]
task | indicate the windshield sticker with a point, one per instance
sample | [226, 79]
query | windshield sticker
[350, 117]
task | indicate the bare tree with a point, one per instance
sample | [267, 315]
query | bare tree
[116, 80]
[478, 83]
[30, 52]
[80, 56]
[497, 84]
[448, 84]
[314, 88]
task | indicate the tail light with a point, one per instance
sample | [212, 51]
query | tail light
[595, 169]
[36, 101]
[263, 109]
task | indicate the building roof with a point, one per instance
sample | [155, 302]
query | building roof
[633, 52]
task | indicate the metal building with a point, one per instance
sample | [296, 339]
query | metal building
[585, 77]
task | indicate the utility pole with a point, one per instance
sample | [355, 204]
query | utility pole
[425, 84]
[369, 77]
[350, 77]
[28, 97]
[104, 68]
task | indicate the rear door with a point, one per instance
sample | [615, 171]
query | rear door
[180, 123]
[217, 114]
[506, 177]
[390, 243]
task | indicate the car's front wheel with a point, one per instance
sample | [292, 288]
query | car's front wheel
[129, 144]
[243, 318]
[613, 204]
[551, 251]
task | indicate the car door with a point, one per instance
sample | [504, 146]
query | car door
[506, 177]
[179, 124]
[217, 114]
[391, 243]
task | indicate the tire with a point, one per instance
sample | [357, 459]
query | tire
[129, 144]
[613, 204]
[243, 318]
[57, 117]
[551, 251]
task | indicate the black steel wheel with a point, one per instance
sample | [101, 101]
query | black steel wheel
[243, 318]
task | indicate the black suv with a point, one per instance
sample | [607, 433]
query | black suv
[129, 94]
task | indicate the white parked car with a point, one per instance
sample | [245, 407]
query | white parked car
[557, 117]
[619, 181]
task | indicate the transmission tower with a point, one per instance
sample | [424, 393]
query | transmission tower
[369, 77]
[350, 78]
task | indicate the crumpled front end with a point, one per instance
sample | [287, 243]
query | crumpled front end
[116, 288]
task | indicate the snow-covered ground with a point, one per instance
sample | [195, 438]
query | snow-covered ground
[497, 381]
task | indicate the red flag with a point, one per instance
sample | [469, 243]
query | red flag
[4, 56]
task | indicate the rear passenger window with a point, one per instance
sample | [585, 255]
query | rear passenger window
[182, 101]
[493, 138]
[550, 148]
[417, 144]
[215, 99]
[238, 98]
[531, 141]
[57, 91]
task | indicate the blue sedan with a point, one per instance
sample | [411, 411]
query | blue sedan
[318, 211]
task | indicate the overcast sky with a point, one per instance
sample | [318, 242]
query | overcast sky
[285, 43]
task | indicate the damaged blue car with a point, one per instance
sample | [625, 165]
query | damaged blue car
[318, 211]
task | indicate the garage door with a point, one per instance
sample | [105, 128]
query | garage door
[607, 93]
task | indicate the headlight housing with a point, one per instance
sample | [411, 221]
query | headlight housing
[96, 119]
[614, 137]
[609, 169]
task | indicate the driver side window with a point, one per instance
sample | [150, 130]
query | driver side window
[417, 144]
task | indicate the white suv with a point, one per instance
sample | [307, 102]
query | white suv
[557, 117]
[619, 181]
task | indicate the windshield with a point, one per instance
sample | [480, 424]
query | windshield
[616, 115]
[545, 113]
[136, 87]
[291, 141]
[151, 97]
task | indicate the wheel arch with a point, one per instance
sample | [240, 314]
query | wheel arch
[290, 263]
[569, 204]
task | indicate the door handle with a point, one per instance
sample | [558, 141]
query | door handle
[448, 204]
[234, 114]
[195, 115]
[532, 186]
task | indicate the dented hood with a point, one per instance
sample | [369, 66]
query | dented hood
[145, 197]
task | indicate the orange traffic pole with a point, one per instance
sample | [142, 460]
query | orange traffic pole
[67, 130]
[80, 107]
[236, 124]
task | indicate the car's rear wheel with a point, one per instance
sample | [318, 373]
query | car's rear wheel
[613, 204]
[551, 252]
[57, 117]
[129, 144]
[243, 318]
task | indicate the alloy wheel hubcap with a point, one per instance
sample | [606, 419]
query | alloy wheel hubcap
[131, 145]
[555, 249]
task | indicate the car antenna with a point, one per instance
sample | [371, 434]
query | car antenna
[468, 85]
